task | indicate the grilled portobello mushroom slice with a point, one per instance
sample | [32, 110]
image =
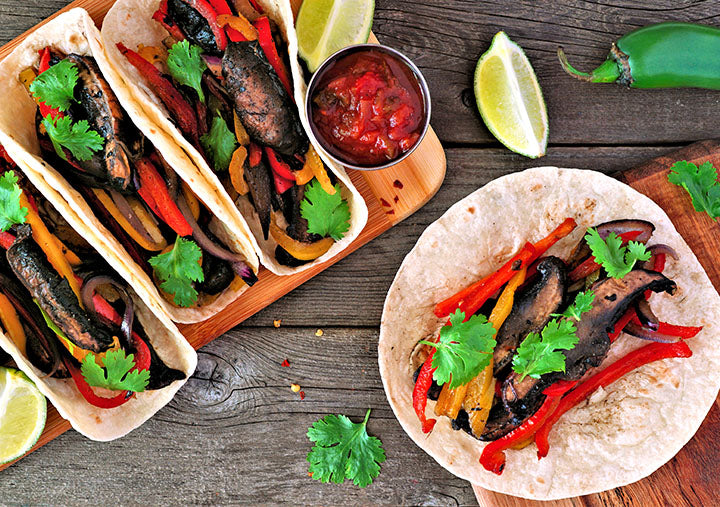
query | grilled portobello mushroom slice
[194, 26]
[261, 191]
[261, 101]
[531, 311]
[54, 295]
[520, 399]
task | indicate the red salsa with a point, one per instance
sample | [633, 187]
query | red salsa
[368, 108]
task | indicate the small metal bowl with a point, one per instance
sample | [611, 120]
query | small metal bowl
[317, 77]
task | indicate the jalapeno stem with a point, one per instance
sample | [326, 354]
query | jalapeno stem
[608, 72]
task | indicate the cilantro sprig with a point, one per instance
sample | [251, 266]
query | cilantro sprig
[56, 86]
[115, 374]
[539, 354]
[344, 450]
[616, 259]
[701, 183]
[76, 137]
[219, 143]
[11, 212]
[327, 215]
[583, 303]
[178, 269]
[186, 66]
[464, 349]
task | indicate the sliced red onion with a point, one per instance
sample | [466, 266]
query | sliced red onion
[171, 177]
[124, 207]
[622, 226]
[237, 260]
[645, 314]
[212, 61]
[88, 291]
[661, 248]
[648, 334]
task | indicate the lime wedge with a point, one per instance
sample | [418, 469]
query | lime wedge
[326, 26]
[509, 98]
[23, 410]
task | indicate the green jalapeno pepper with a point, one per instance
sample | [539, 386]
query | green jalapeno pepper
[665, 55]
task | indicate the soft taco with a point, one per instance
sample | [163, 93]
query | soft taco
[223, 79]
[70, 119]
[553, 319]
[105, 359]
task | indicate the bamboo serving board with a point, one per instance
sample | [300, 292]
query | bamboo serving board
[689, 478]
[391, 195]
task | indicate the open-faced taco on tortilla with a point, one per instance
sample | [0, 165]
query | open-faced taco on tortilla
[222, 78]
[104, 358]
[72, 122]
[580, 329]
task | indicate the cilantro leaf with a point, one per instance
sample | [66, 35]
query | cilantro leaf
[616, 259]
[327, 215]
[583, 303]
[56, 86]
[11, 212]
[219, 144]
[116, 374]
[538, 355]
[344, 451]
[178, 269]
[701, 183]
[76, 137]
[464, 349]
[186, 66]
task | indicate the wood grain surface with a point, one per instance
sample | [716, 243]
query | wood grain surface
[236, 432]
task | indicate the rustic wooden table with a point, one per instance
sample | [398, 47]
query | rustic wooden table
[236, 432]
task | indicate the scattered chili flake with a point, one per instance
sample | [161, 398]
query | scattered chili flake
[295, 387]
[277, 322]
[396, 198]
[390, 212]
[302, 395]
[285, 364]
[319, 332]
[385, 203]
[397, 184]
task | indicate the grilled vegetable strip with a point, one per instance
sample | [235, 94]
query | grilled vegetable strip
[46, 110]
[6, 240]
[589, 266]
[264, 37]
[621, 367]
[420, 392]
[89, 394]
[298, 249]
[154, 192]
[11, 323]
[161, 16]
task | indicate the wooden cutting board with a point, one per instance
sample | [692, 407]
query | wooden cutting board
[391, 195]
[690, 478]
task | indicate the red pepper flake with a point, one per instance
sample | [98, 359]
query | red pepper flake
[397, 184]
[391, 212]
[285, 364]
[385, 203]
[396, 199]
[302, 395]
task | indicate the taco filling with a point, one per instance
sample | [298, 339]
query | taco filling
[64, 308]
[86, 134]
[225, 86]
[522, 346]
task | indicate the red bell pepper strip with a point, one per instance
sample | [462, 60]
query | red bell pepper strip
[161, 16]
[46, 110]
[281, 184]
[659, 266]
[682, 332]
[493, 455]
[620, 324]
[632, 361]
[154, 191]
[208, 12]
[255, 155]
[221, 7]
[6, 240]
[279, 166]
[420, 392]
[89, 394]
[257, 7]
[181, 110]
[474, 296]
[265, 39]
[589, 266]
[142, 351]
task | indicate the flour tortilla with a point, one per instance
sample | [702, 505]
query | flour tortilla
[109, 424]
[625, 432]
[130, 22]
[75, 32]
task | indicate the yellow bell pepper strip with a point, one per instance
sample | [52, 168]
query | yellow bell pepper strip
[318, 168]
[147, 221]
[240, 133]
[11, 323]
[298, 249]
[71, 256]
[27, 77]
[239, 23]
[191, 200]
[237, 171]
[49, 244]
[450, 401]
[109, 205]
[153, 54]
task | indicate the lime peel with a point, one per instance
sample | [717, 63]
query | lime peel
[23, 411]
